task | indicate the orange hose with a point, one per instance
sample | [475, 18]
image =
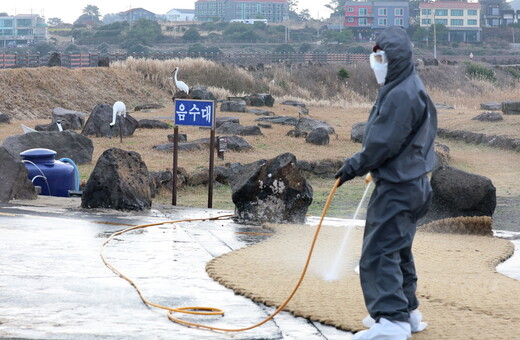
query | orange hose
[211, 310]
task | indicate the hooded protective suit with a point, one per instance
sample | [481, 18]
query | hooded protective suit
[398, 151]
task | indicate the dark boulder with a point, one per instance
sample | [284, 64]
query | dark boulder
[99, 121]
[237, 129]
[511, 107]
[4, 118]
[259, 99]
[271, 191]
[201, 92]
[309, 124]
[233, 106]
[358, 132]
[489, 116]
[148, 107]
[283, 120]
[152, 124]
[492, 106]
[120, 180]
[67, 144]
[53, 126]
[221, 120]
[14, 178]
[75, 119]
[54, 59]
[459, 193]
[319, 136]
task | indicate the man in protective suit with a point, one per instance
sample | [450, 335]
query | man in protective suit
[398, 151]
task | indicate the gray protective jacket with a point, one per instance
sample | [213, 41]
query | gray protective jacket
[398, 145]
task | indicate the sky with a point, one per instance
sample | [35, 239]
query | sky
[73, 9]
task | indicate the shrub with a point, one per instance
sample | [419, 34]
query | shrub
[480, 72]
[343, 74]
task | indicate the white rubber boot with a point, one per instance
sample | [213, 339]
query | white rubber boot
[416, 323]
[386, 330]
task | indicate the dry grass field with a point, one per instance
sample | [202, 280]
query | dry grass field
[28, 96]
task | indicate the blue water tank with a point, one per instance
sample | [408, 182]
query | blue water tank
[55, 178]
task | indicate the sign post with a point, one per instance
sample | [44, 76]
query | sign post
[191, 112]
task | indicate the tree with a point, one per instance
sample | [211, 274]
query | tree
[305, 15]
[293, 5]
[345, 36]
[92, 11]
[191, 35]
[145, 31]
[337, 7]
[54, 22]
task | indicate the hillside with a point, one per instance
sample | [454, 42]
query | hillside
[33, 93]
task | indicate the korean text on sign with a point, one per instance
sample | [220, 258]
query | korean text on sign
[194, 112]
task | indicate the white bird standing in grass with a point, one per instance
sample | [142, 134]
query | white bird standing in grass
[118, 109]
[180, 84]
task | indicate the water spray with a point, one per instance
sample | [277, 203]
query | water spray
[333, 273]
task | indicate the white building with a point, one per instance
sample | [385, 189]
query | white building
[22, 29]
[180, 15]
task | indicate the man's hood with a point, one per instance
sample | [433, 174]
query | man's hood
[398, 50]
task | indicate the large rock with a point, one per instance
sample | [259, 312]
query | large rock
[4, 118]
[53, 126]
[511, 107]
[260, 99]
[318, 136]
[459, 193]
[309, 124]
[489, 116]
[201, 92]
[358, 132]
[75, 119]
[152, 124]
[283, 120]
[221, 120]
[98, 124]
[491, 106]
[234, 143]
[67, 144]
[54, 59]
[119, 181]
[237, 129]
[14, 178]
[233, 106]
[271, 191]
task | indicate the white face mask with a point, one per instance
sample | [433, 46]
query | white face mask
[379, 64]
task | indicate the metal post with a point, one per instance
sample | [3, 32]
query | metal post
[211, 165]
[434, 36]
[120, 129]
[175, 157]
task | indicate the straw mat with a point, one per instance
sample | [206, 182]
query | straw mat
[461, 294]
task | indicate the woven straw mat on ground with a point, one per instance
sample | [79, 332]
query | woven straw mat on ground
[461, 294]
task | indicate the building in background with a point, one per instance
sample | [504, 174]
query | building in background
[180, 15]
[390, 13]
[22, 30]
[367, 18]
[461, 18]
[134, 14]
[271, 10]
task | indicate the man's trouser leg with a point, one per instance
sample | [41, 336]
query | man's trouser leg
[387, 270]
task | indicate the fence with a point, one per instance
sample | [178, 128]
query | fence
[244, 59]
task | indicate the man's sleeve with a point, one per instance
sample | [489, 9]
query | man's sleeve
[387, 134]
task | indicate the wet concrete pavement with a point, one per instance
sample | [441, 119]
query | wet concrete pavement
[54, 285]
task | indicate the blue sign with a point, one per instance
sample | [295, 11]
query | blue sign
[192, 112]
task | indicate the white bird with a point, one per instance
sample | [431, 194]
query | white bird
[118, 109]
[180, 84]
